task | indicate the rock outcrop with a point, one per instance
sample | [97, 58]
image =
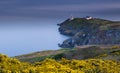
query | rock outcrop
[90, 32]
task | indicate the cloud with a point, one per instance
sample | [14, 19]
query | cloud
[61, 8]
[53, 8]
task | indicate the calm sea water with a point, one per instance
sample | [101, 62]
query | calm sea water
[26, 37]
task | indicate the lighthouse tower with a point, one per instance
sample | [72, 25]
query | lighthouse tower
[71, 18]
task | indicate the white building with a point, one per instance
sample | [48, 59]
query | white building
[88, 17]
[71, 17]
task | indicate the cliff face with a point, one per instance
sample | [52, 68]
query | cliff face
[89, 32]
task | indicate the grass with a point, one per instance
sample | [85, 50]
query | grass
[39, 56]
[79, 23]
[88, 52]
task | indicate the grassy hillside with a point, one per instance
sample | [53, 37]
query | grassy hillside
[79, 23]
[39, 56]
[82, 59]
[79, 53]
[89, 32]
[11, 65]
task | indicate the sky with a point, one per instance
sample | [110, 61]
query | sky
[50, 9]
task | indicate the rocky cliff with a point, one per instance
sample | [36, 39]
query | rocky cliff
[90, 32]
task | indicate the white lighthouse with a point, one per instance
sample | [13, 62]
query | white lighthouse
[88, 17]
[71, 18]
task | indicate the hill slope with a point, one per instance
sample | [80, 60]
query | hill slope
[79, 53]
[90, 32]
[11, 65]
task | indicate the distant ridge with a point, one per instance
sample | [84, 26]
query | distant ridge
[90, 31]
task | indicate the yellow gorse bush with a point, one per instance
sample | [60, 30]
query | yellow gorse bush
[11, 65]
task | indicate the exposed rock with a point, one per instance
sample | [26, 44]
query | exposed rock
[89, 32]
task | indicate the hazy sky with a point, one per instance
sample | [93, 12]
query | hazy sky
[30, 9]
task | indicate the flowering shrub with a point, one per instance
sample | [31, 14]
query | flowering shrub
[11, 65]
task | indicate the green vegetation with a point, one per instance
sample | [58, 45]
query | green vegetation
[90, 32]
[78, 23]
[39, 56]
[11, 65]
[86, 59]
[80, 53]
